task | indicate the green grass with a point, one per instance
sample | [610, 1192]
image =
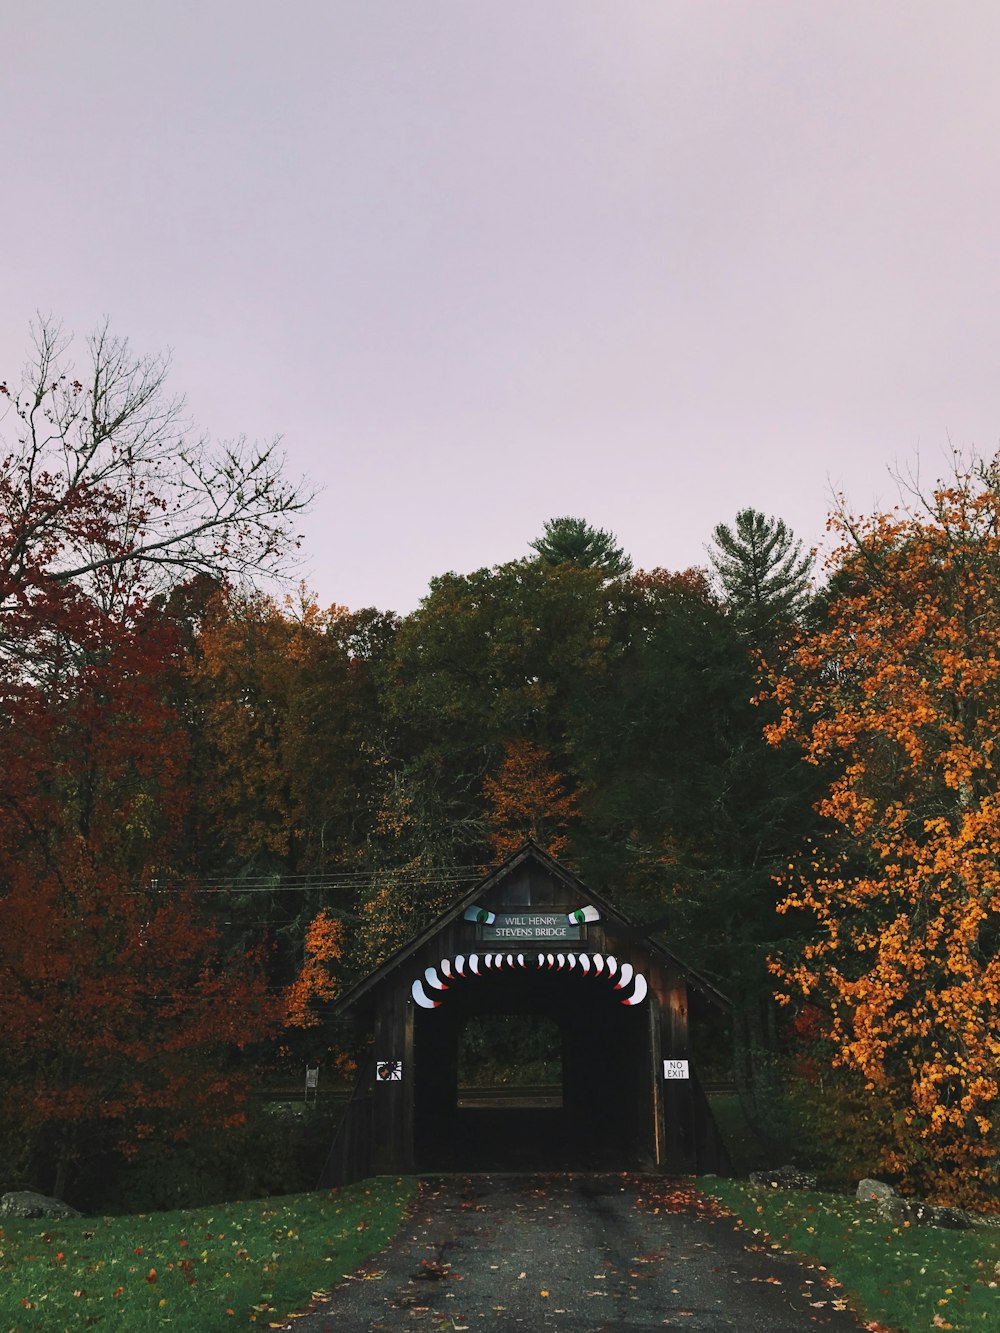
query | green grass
[908, 1278]
[199, 1270]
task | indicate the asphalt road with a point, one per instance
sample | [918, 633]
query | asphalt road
[580, 1253]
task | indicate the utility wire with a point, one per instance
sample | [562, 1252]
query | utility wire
[303, 883]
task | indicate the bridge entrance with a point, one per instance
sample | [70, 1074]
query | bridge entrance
[532, 1027]
[531, 1068]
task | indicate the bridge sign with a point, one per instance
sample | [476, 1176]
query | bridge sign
[531, 926]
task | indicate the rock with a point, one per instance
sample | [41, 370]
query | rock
[27, 1203]
[891, 1208]
[783, 1178]
[870, 1191]
[896, 1210]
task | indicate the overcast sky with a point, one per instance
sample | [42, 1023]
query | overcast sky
[485, 262]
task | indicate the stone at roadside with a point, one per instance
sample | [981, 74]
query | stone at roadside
[783, 1178]
[919, 1214]
[871, 1191]
[891, 1208]
[28, 1203]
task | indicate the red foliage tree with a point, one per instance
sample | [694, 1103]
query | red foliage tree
[118, 1018]
[120, 1010]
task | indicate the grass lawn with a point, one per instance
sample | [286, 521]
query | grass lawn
[907, 1278]
[199, 1270]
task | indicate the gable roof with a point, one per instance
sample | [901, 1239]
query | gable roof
[530, 851]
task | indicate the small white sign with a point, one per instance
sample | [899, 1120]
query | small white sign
[676, 1069]
[388, 1071]
[312, 1077]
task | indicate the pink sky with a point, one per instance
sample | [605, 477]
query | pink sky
[484, 262]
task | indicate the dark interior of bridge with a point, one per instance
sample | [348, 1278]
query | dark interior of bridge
[588, 1109]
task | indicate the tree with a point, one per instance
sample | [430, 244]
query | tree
[573, 541]
[687, 813]
[528, 800]
[121, 1012]
[103, 494]
[317, 982]
[763, 574]
[498, 654]
[282, 707]
[899, 693]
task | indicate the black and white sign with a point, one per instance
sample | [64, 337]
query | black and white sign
[388, 1071]
[676, 1069]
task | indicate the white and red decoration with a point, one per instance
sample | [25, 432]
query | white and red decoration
[427, 990]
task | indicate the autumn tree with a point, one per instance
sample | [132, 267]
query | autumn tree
[317, 981]
[283, 714]
[528, 799]
[417, 859]
[120, 1013]
[898, 693]
[282, 706]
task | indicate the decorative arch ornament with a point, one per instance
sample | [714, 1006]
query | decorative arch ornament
[463, 968]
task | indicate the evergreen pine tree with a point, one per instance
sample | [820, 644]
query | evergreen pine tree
[573, 541]
[762, 572]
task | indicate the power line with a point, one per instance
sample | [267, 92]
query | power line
[305, 883]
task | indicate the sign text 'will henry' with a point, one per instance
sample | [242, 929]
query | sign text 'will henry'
[531, 926]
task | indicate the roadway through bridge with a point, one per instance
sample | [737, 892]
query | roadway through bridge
[579, 1253]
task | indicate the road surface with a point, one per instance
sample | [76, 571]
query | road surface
[578, 1253]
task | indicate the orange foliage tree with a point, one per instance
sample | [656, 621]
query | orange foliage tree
[317, 981]
[282, 706]
[527, 799]
[898, 693]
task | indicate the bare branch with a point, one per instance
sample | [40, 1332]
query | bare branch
[102, 481]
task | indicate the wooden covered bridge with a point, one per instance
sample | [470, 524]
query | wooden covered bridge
[529, 945]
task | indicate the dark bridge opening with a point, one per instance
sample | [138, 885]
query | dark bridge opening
[579, 1086]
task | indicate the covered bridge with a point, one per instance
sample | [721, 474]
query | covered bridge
[604, 1008]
